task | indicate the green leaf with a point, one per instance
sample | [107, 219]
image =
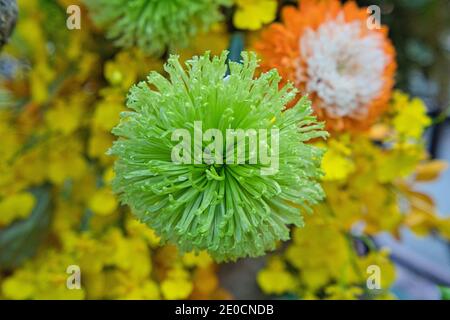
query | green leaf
[21, 239]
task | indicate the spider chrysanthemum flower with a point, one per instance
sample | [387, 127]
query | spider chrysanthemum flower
[231, 209]
[154, 25]
[336, 54]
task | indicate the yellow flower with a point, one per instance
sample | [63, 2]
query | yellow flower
[253, 14]
[103, 202]
[10, 138]
[65, 116]
[126, 67]
[381, 260]
[274, 279]
[398, 162]
[130, 255]
[337, 163]
[411, 118]
[201, 259]
[320, 259]
[118, 285]
[30, 167]
[17, 206]
[108, 175]
[338, 292]
[65, 161]
[99, 142]
[107, 114]
[215, 40]
[136, 228]
[18, 287]
[177, 285]
[147, 291]
[44, 277]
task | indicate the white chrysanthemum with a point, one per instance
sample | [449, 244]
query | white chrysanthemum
[343, 66]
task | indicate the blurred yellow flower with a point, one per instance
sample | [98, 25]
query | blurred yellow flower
[103, 202]
[253, 14]
[65, 116]
[381, 260]
[411, 118]
[201, 259]
[337, 292]
[128, 66]
[44, 277]
[215, 40]
[128, 254]
[337, 163]
[100, 141]
[274, 279]
[139, 229]
[319, 259]
[16, 206]
[147, 291]
[65, 160]
[398, 162]
[18, 287]
[177, 285]
[107, 114]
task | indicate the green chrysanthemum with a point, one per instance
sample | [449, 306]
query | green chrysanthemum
[154, 25]
[230, 210]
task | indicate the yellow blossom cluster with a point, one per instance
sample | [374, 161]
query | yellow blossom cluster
[254, 14]
[369, 181]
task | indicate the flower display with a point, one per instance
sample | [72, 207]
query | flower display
[230, 210]
[328, 51]
[154, 25]
[97, 198]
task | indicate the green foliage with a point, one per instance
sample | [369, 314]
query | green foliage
[154, 25]
[230, 210]
[20, 240]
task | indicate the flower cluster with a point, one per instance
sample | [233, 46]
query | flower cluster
[373, 158]
[365, 185]
[63, 92]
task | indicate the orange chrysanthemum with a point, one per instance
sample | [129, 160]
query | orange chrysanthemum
[328, 51]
